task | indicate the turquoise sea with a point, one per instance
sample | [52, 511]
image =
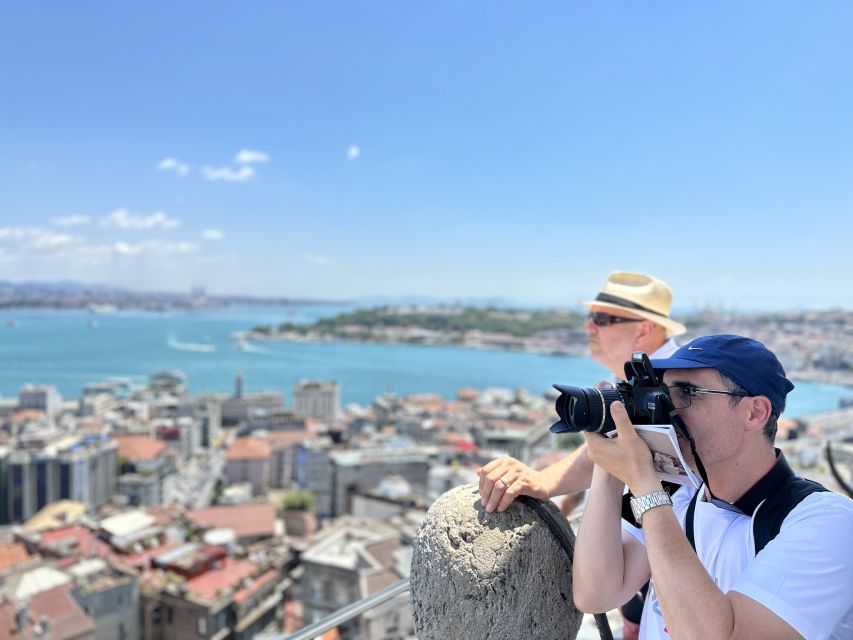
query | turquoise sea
[69, 348]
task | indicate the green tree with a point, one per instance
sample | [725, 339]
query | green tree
[298, 501]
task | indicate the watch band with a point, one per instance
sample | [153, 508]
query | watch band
[649, 501]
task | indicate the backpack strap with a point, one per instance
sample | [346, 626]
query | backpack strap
[777, 493]
[768, 520]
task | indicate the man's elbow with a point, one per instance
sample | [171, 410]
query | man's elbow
[588, 600]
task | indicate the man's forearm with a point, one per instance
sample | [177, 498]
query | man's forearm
[572, 474]
[688, 596]
[598, 571]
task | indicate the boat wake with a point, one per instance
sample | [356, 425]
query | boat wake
[199, 347]
[245, 345]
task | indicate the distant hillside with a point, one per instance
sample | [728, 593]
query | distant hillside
[514, 322]
[78, 295]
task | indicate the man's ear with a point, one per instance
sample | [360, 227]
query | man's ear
[645, 330]
[759, 412]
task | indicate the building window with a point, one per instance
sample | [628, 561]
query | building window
[168, 615]
[202, 626]
[341, 595]
[328, 591]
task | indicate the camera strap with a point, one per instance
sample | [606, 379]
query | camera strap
[678, 423]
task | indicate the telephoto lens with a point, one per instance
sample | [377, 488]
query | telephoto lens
[585, 409]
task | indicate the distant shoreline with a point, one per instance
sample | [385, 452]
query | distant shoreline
[838, 378]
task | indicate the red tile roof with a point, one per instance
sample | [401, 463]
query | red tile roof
[248, 449]
[139, 447]
[66, 620]
[232, 573]
[12, 554]
[80, 540]
[243, 594]
[247, 520]
[142, 559]
[27, 415]
[467, 394]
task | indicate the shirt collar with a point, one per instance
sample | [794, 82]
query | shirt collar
[766, 486]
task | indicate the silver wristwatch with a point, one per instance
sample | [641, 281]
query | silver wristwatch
[649, 501]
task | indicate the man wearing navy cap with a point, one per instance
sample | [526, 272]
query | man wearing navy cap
[630, 313]
[729, 391]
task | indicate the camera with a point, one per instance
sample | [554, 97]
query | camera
[646, 400]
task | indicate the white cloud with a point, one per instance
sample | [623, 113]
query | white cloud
[247, 156]
[124, 219]
[212, 234]
[318, 260]
[173, 164]
[353, 152]
[74, 220]
[20, 242]
[228, 174]
[27, 239]
[154, 248]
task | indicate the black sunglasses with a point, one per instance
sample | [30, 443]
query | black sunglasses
[601, 319]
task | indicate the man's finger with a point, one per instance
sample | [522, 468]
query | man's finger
[516, 488]
[485, 483]
[495, 496]
[621, 420]
[491, 482]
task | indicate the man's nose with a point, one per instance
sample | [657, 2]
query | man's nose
[589, 326]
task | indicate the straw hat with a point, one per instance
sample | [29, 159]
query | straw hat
[642, 295]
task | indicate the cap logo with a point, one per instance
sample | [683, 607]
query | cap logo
[694, 348]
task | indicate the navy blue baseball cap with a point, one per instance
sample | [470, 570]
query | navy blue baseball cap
[746, 361]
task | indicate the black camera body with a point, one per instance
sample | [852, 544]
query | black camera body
[645, 398]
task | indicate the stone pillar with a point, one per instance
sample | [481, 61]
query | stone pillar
[490, 575]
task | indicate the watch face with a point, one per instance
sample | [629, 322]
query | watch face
[636, 510]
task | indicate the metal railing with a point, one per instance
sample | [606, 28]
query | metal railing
[346, 614]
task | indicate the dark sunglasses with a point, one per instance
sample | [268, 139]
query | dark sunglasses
[601, 319]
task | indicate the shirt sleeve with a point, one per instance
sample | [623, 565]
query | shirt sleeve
[804, 575]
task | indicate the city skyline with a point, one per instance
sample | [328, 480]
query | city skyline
[382, 151]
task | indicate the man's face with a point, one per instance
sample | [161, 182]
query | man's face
[713, 421]
[614, 344]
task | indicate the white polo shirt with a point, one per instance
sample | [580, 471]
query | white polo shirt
[804, 575]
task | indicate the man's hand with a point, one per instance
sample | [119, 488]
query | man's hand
[626, 457]
[504, 479]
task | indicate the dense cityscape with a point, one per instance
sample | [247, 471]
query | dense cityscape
[145, 511]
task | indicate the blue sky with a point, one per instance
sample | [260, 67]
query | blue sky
[442, 149]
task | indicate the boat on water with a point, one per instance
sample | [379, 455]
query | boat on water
[102, 308]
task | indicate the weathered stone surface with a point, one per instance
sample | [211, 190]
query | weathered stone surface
[490, 575]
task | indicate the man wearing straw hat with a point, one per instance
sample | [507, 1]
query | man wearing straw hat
[630, 313]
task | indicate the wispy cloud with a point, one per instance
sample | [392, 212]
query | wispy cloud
[248, 156]
[228, 174]
[34, 243]
[34, 239]
[173, 164]
[212, 234]
[74, 220]
[353, 152]
[124, 219]
[319, 260]
[158, 248]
